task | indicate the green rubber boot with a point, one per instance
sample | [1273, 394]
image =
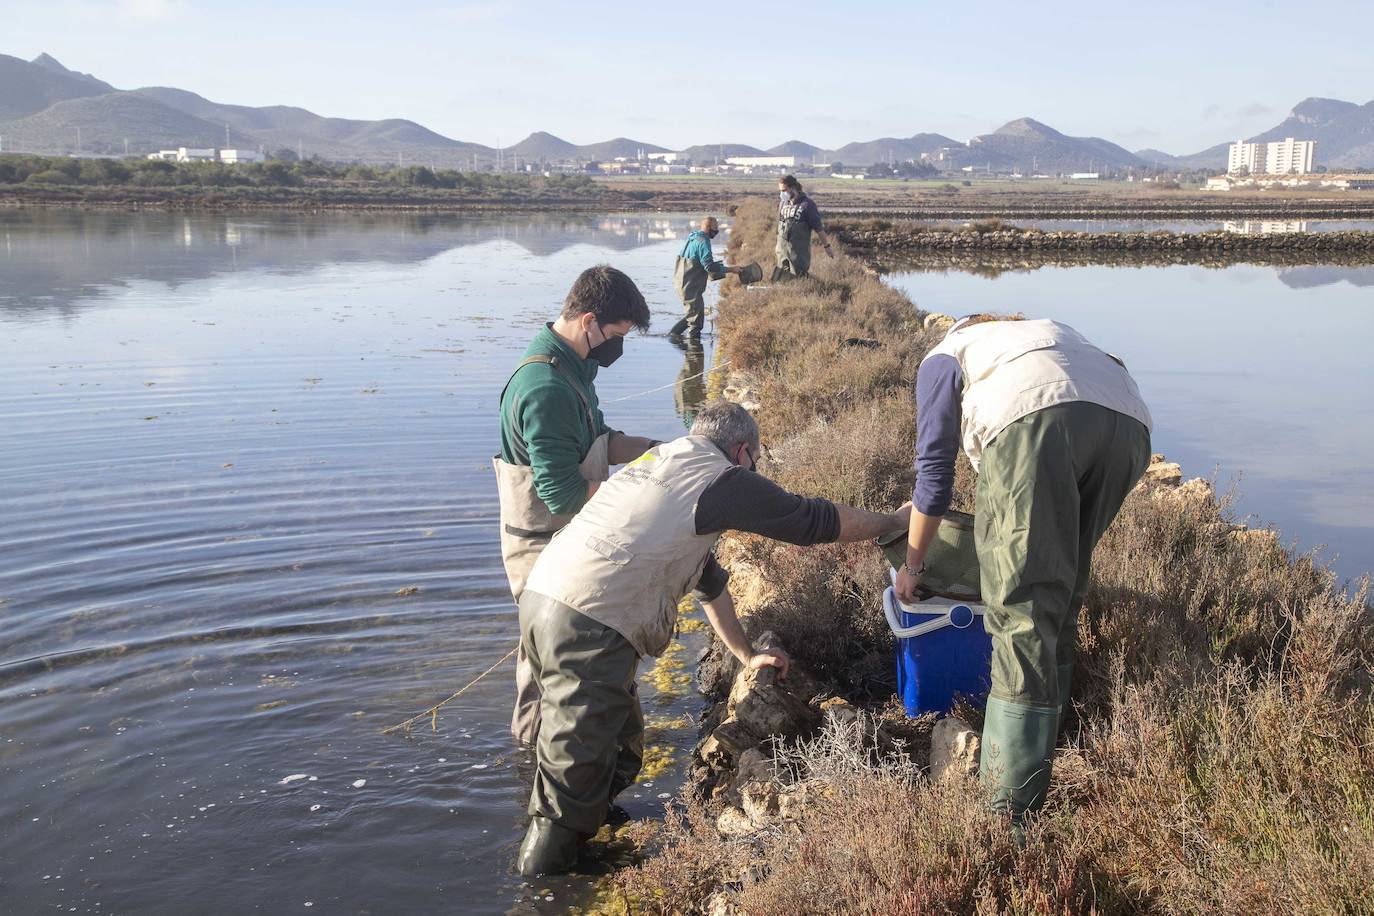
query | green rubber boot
[548, 849]
[1018, 745]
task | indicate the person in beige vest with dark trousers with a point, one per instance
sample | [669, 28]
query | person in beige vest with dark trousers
[606, 592]
[1058, 434]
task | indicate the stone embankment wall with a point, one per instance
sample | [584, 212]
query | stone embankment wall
[881, 237]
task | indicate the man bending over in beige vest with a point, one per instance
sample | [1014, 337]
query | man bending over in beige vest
[606, 590]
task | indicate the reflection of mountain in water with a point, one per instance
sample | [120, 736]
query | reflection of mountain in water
[56, 258]
[1308, 277]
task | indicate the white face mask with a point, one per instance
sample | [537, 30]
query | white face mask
[782, 197]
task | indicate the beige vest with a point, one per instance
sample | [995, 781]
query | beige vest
[633, 552]
[1013, 368]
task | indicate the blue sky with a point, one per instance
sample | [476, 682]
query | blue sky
[1172, 75]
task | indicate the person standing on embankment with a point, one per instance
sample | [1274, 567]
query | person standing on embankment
[556, 448]
[1058, 434]
[606, 592]
[798, 217]
[696, 265]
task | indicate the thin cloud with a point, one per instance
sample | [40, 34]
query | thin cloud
[1255, 109]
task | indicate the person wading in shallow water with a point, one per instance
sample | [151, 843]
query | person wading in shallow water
[556, 448]
[797, 219]
[1058, 434]
[606, 592]
[696, 265]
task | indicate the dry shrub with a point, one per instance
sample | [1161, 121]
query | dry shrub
[1222, 760]
[826, 609]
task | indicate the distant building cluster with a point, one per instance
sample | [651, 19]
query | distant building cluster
[1281, 157]
[227, 156]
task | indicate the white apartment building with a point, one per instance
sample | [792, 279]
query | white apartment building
[236, 156]
[1244, 157]
[1290, 157]
[1282, 157]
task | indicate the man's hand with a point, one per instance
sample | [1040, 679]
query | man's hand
[773, 657]
[906, 585]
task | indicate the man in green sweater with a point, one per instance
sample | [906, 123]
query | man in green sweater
[556, 447]
[696, 266]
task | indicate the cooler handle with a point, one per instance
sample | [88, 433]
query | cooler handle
[930, 626]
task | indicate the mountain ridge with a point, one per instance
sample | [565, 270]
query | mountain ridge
[46, 107]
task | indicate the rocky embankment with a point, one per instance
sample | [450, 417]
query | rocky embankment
[1219, 756]
[875, 236]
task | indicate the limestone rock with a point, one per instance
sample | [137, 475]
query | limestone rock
[733, 822]
[720, 904]
[954, 748]
[760, 802]
[1166, 473]
[937, 323]
[759, 706]
[753, 766]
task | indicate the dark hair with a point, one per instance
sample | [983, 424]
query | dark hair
[791, 183]
[608, 294]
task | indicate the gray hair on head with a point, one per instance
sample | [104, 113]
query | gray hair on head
[726, 424]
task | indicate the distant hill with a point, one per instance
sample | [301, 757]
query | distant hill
[284, 126]
[106, 120]
[620, 146]
[540, 145]
[708, 153]
[899, 149]
[1344, 132]
[29, 87]
[43, 103]
[1159, 158]
[803, 151]
[1026, 144]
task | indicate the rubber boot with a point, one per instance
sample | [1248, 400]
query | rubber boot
[548, 849]
[679, 328]
[1018, 746]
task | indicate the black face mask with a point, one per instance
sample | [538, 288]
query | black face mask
[753, 462]
[712, 233]
[606, 352]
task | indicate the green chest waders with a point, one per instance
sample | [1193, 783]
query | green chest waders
[527, 526]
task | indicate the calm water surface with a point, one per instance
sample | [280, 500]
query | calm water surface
[248, 520]
[1258, 375]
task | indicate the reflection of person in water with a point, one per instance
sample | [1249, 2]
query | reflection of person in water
[690, 392]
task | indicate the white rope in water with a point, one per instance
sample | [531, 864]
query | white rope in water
[724, 364]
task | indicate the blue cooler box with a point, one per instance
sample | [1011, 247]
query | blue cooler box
[942, 650]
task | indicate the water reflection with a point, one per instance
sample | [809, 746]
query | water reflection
[1265, 227]
[690, 392]
[64, 259]
[247, 522]
[1248, 370]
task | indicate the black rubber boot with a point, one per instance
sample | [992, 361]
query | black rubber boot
[678, 329]
[548, 849]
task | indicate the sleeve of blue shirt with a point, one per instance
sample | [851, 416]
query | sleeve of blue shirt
[939, 415]
[812, 214]
[706, 258]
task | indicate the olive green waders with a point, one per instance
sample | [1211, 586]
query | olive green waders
[690, 279]
[1049, 485]
[793, 251]
[591, 736]
[527, 526]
